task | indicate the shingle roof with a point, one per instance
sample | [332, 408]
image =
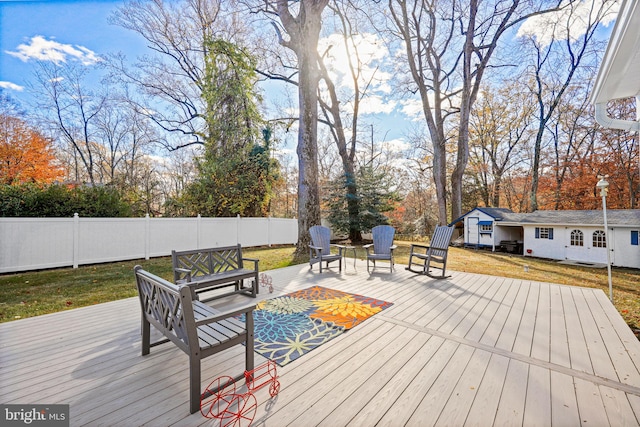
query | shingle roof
[628, 217]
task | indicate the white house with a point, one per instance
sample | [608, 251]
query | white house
[562, 235]
[619, 72]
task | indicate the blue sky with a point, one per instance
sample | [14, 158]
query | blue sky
[77, 27]
[78, 30]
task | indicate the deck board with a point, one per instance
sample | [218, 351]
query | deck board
[471, 350]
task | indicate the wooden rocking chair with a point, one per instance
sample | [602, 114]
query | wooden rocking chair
[423, 256]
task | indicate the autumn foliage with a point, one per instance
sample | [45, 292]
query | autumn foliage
[25, 155]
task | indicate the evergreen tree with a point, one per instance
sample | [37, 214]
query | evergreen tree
[376, 196]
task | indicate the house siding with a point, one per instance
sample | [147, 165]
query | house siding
[623, 238]
[625, 254]
[560, 247]
[472, 235]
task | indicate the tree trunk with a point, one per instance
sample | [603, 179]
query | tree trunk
[307, 150]
[304, 32]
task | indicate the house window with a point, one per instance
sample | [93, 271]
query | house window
[599, 239]
[486, 228]
[544, 233]
[634, 237]
[577, 238]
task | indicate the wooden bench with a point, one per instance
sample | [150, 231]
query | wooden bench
[437, 251]
[215, 268]
[197, 329]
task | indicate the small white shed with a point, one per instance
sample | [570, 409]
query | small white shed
[483, 227]
[562, 235]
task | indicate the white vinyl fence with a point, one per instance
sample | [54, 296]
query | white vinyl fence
[38, 243]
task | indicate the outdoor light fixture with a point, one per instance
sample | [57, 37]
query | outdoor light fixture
[603, 186]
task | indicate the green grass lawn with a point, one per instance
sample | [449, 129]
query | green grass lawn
[34, 293]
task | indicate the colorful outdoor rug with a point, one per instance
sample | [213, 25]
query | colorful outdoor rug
[294, 324]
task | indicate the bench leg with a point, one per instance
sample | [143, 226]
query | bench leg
[256, 285]
[195, 382]
[146, 336]
[249, 363]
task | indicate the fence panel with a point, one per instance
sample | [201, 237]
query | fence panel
[166, 234]
[216, 232]
[110, 239]
[39, 243]
[34, 243]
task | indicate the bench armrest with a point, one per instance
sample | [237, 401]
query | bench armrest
[185, 271]
[225, 315]
[255, 262]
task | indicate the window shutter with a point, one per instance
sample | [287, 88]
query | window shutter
[551, 234]
[634, 237]
[537, 232]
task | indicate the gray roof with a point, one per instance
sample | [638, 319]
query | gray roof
[626, 217]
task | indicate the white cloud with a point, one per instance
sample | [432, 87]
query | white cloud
[367, 53]
[11, 86]
[545, 28]
[41, 49]
[412, 108]
[397, 145]
[375, 104]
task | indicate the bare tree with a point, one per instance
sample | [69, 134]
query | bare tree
[499, 126]
[342, 113]
[555, 62]
[172, 77]
[573, 134]
[71, 111]
[124, 136]
[449, 46]
[302, 22]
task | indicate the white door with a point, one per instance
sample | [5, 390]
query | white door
[473, 235]
[578, 245]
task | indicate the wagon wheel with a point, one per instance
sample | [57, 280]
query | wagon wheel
[274, 388]
[240, 412]
[217, 397]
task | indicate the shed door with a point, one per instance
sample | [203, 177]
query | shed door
[473, 234]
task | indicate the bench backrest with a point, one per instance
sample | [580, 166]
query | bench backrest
[203, 262]
[439, 245]
[382, 239]
[167, 307]
[321, 237]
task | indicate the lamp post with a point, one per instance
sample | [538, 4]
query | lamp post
[603, 186]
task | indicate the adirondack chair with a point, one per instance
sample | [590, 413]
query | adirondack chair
[320, 249]
[382, 245]
[423, 256]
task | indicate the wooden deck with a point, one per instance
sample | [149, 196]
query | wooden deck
[469, 350]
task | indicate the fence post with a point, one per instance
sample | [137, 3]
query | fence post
[76, 239]
[147, 236]
[238, 229]
[269, 231]
[198, 230]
